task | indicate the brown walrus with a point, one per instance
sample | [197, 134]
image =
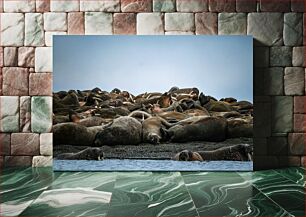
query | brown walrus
[240, 152]
[186, 155]
[86, 154]
[152, 130]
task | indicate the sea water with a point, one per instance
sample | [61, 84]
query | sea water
[150, 165]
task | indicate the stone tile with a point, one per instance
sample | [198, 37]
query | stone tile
[294, 81]
[9, 116]
[18, 161]
[274, 81]
[15, 81]
[222, 5]
[42, 161]
[179, 22]
[41, 114]
[289, 161]
[76, 23]
[136, 5]
[206, 23]
[262, 120]
[10, 55]
[299, 104]
[150, 24]
[43, 59]
[258, 76]
[65, 6]
[26, 56]
[303, 161]
[1, 56]
[299, 123]
[179, 33]
[40, 84]
[124, 23]
[246, 5]
[261, 56]
[271, 6]
[25, 114]
[266, 28]
[46, 144]
[5, 144]
[296, 143]
[297, 5]
[19, 6]
[265, 162]
[298, 56]
[25, 144]
[1, 10]
[280, 56]
[49, 37]
[164, 5]
[278, 146]
[191, 5]
[101, 5]
[293, 29]
[97, 23]
[12, 29]
[55, 21]
[282, 117]
[1, 81]
[42, 5]
[34, 29]
[261, 145]
[232, 23]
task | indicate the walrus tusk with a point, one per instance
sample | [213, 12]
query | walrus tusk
[99, 157]
[249, 157]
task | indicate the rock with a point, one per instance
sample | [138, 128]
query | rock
[266, 28]
[179, 22]
[206, 23]
[246, 6]
[18, 161]
[124, 23]
[299, 123]
[297, 5]
[221, 6]
[12, 29]
[269, 6]
[136, 6]
[150, 24]
[64, 6]
[42, 6]
[25, 114]
[163, 5]
[42, 161]
[294, 81]
[280, 56]
[123, 131]
[97, 23]
[5, 144]
[293, 29]
[46, 144]
[299, 104]
[10, 56]
[19, 6]
[282, 117]
[55, 21]
[298, 56]
[238, 127]
[274, 81]
[34, 29]
[43, 59]
[9, 116]
[15, 81]
[41, 114]
[232, 24]
[296, 143]
[76, 23]
[74, 134]
[101, 5]
[25, 144]
[40, 84]
[26, 56]
[191, 5]
[206, 129]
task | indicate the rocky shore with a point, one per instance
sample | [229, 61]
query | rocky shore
[150, 125]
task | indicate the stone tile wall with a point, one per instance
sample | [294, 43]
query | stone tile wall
[27, 27]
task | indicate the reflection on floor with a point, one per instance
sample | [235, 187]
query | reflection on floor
[42, 192]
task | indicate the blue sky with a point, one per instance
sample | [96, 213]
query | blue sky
[220, 66]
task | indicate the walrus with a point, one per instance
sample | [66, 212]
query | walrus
[199, 128]
[238, 127]
[122, 131]
[165, 100]
[186, 155]
[152, 130]
[86, 154]
[240, 152]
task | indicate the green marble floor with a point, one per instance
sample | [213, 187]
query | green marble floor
[42, 192]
